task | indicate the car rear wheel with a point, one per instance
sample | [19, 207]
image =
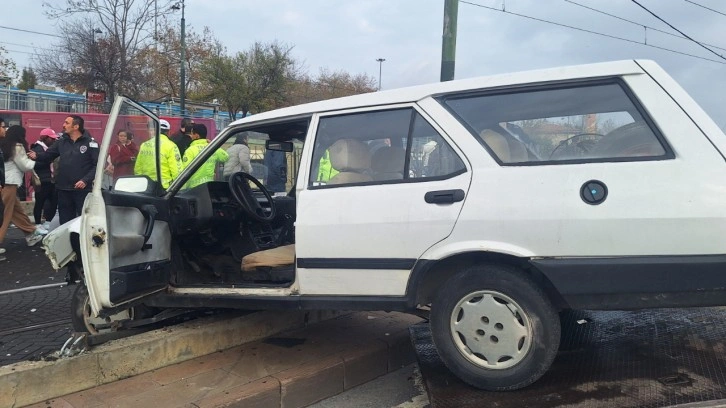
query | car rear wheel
[495, 328]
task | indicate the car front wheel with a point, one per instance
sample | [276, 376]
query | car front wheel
[83, 320]
[495, 328]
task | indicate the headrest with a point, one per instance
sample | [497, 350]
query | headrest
[350, 155]
[497, 143]
[388, 160]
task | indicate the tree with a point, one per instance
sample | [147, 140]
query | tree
[251, 81]
[7, 65]
[28, 80]
[329, 85]
[162, 69]
[114, 60]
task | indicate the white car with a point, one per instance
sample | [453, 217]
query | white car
[496, 201]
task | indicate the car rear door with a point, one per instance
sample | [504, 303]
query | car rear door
[125, 237]
[397, 187]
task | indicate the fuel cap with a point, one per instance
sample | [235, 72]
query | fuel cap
[594, 192]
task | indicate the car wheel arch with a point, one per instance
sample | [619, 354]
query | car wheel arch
[429, 275]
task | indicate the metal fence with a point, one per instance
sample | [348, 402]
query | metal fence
[48, 101]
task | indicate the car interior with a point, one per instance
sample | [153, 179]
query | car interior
[236, 232]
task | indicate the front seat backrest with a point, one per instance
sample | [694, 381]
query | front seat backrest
[387, 163]
[497, 143]
[353, 161]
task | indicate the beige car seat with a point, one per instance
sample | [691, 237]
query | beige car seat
[387, 163]
[507, 149]
[280, 256]
[353, 161]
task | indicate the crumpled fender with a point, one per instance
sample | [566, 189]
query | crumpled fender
[57, 244]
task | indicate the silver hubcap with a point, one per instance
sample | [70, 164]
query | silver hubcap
[491, 330]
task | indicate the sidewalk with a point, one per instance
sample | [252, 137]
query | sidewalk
[292, 369]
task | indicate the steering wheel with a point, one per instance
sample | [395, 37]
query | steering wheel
[573, 145]
[242, 192]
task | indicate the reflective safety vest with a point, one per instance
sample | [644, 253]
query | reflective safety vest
[205, 173]
[170, 162]
[325, 168]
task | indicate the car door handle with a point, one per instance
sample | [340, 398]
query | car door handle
[444, 196]
[149, 212]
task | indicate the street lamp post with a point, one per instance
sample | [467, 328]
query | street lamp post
[380, 70]
[182, 73]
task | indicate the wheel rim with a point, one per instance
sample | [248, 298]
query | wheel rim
[96, 325]
[491, 330]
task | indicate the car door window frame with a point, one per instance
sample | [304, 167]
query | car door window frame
[669, 154]
[414, 112]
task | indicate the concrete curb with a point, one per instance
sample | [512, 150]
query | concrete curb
[30, 382]
[293, 369]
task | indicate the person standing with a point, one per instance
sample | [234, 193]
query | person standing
[205, 173]
[276, 163]
[123, 155]
[182, 137]
[170, 159]
[78, 154]
[14, 146]
[46, 200]
[239, 157]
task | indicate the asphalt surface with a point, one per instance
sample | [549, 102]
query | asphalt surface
[34, 303]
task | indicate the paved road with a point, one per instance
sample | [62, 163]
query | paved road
[33, 323]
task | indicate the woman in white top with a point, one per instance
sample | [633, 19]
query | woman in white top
[14, 147]
[239, 157]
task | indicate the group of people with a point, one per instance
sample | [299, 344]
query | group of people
[64, 165]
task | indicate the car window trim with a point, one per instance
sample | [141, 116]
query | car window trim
[668, 151]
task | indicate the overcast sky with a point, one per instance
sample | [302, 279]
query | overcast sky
[350, 35]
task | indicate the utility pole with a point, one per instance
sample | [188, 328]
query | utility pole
[182, 70]
[183, 89]
[380, 70]
[448, 43]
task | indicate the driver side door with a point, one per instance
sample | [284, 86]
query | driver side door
[125, 238]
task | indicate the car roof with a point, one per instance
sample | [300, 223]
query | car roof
[416, 93]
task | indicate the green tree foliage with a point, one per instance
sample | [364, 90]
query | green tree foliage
[28, 80]
[7, 65]
[252, 81]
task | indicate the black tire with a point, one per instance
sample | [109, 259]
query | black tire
[81, 319]
[493, 301]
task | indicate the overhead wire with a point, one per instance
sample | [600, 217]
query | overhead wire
[29, 31]
[707, 8]
[682, 33]
[594, 32]
[25, 45]
[637, 23]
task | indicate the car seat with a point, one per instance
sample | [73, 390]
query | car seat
[353, 161]
[387, 163]
[506, 148]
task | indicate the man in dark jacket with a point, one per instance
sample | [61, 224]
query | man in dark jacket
[78, 154]
[46, 200]
[182, 137]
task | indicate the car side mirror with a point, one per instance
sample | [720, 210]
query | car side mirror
[134, 184]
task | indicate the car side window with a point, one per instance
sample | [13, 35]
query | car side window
[578, 124]
[430, 155]
[380, 146]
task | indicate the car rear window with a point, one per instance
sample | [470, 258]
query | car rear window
[564, 124]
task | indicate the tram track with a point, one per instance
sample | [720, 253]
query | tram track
[32, 327]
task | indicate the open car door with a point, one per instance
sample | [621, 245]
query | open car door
[125, 238]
